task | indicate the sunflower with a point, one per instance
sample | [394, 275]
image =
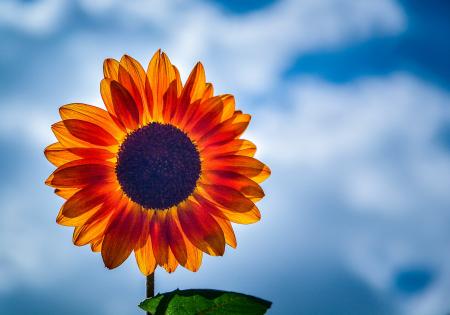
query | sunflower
[162, 172]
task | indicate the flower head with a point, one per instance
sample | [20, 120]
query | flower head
[162, 172]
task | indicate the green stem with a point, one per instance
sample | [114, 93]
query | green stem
[150, 286]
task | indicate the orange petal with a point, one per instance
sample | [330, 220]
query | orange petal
[193, 90]
[111, 69]
[93, 229]
[76, 221]
[120, 103]
[234, 147]
[190, 116]
[122, 235]
[176, 241]
[96, 245]
[85, 200]
[80, 173]
[209, 120]
[132, 77]
[228, 106]
[193, 254]
[195, 86]
[228, 198]
[160, 74]
[201, 228]
[144, 251]
[94, 115]
[171, 264]
[178, 80]
[248, 217]
[209, 91]
[170, 101]
[194, 113]
[226, 131]
[244, 165]
[58, 155]
[160, 241]
[236, 181]
[92, 153]
[198, 110]
[89, 132]
[230, 237]
[66, 138]
[66, 193]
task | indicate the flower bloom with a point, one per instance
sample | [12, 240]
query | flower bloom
[162, 172]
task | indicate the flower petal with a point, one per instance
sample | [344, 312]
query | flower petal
[209, 91]
[92, 153]
[80, 173]
[94, 115]
[66, 193]
[228, 198]
[226, 131]
[111, 69]
[89, 132]
[209, 120]
[143, 251]
[234, 147]
[193, 90]
[238, 182]
[201, 228]
[193, 254]
[160, 241]
[243, 165]
[86, 199]
[170, 102]
[185, 253]
[120, 103]
[171, 264]
[160, 74]
[228, 106]
[59, 155]
[122, 235]
[178, 80]
[132, 76]
[199, 109]
[176, 241]
[66, 138]
[96, 245]
[195, 86]
[92, 229]
[248, 217]
[230, 237]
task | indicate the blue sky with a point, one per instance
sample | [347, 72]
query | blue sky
[350, 104]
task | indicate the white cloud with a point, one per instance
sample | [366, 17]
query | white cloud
[242, 53]
[36, 17]
[30, 125]
[369, 147]
[376, 135]
[249, 54]
[245, 55]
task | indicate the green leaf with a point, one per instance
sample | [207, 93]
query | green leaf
[204, 302]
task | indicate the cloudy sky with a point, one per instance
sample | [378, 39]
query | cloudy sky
[351, 109]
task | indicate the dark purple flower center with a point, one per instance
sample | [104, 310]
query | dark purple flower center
[158, 166]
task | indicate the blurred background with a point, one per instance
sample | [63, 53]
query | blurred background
[351, 110]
